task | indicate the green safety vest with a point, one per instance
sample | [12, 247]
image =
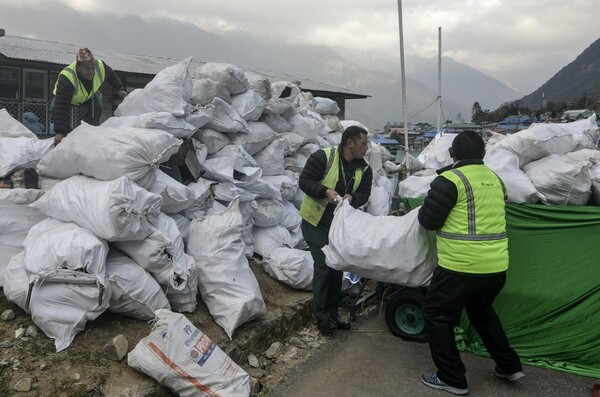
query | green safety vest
[80, 94]
[473, 238]
[311, 209]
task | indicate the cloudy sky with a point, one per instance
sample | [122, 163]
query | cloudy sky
[521, 42]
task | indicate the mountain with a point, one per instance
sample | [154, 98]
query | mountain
[578, 78]
[460, 82]
[171, 38]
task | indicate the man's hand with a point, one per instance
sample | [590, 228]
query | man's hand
[122, 93]
[58, 138]
[348, 197]
[331, 196]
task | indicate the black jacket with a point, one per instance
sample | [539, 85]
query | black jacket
[314, 172]
[64, 94]
[441, 198]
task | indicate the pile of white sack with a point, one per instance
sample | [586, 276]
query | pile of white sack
[557, 164]
[109, 231]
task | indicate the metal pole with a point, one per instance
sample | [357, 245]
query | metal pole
[439, 98]
[402, 69]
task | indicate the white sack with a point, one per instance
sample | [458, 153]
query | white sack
[169, 91]
[260, 84]
[261, 189]
[11, 128]
[199, 116]
[269, 213]
[225, 118]
[417, 185]
[286, 185]
[520, 189]
[174, 196]
[62, 303]
[290, 217]
[270, 159]
[15, 222]
[291, 266]
[231, 76]
[203, 368]
[213, 140]
[15, 280]
[594, 174]
[236, 151]
[117, 210]
[276, 122]
[307, 127]
[161, 253]
[19, 196]
[349, 123]
[227, 285]
[165, 121]
[435, 155]
[22, 152]
[292, 142]
[135, 293]
[108, 153]
[390, 249]
[333, 123]
[266, 239]
[295, 163]
[561, 180]
[52, 244]
[278, 87]
[258, 137]
[183, 224]
[326, 106]
[249, 105]
[205, 90]
[379, 202]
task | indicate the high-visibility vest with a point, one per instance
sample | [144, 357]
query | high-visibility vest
[80, 94]
[311, 209]
[473, 238]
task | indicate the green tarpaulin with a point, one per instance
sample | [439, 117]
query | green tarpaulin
[550, 306]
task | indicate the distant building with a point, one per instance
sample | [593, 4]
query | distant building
[29, 69]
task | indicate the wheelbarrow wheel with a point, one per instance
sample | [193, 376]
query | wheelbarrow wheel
[404, 315]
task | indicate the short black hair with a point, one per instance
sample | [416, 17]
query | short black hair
[468, 145]
[352, 132]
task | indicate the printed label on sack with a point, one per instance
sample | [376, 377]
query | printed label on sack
[201, 345]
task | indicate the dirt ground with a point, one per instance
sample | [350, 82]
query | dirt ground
[84, 370]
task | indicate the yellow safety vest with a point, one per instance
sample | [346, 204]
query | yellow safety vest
[80, 94]
[311, 209]
[473, 238]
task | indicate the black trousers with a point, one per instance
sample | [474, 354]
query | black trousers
[327, 282]
[447, 295]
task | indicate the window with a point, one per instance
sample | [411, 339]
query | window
[9, 83]
[53, 78]
[34, 84]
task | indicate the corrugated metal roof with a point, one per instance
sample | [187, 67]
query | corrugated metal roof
[36, 50]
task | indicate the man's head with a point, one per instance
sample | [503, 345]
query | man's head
[467, 145]
[354, 143]
[85, 63]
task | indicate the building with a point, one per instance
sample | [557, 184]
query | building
[30, 67]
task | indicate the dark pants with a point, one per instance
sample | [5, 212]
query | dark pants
[446, 296]
[327, 282]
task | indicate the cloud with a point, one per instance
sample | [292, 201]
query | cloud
[521, 40]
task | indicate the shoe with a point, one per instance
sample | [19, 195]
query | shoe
[434, 382]
[513, 377]
[326, 327]
[340, 324]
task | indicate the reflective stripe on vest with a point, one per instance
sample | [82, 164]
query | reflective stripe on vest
[473, 238]
[311, 209]
[80, 94]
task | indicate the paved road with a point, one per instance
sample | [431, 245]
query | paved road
[369, 361]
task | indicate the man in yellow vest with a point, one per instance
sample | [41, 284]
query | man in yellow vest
[465, 205]
[78, 85]
[329, 175]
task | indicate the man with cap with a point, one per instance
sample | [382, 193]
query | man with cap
[465, 206]
[78, 85]
[329, 175]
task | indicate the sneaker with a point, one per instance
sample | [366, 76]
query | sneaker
[434, 382]
[326, 327]
[515, 376]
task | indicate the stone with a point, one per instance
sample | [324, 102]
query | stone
[290, 354]
[255, 388]
[253, 361]
[274, 350]
[43, 366]
[24, 385]
[234, 352]
[7, 315]
[294, 340]
[19, 333]
[256, 372]
[116, 348]
[31, 331]
[5, 344]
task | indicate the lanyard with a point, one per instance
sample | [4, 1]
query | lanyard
[347, 189]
